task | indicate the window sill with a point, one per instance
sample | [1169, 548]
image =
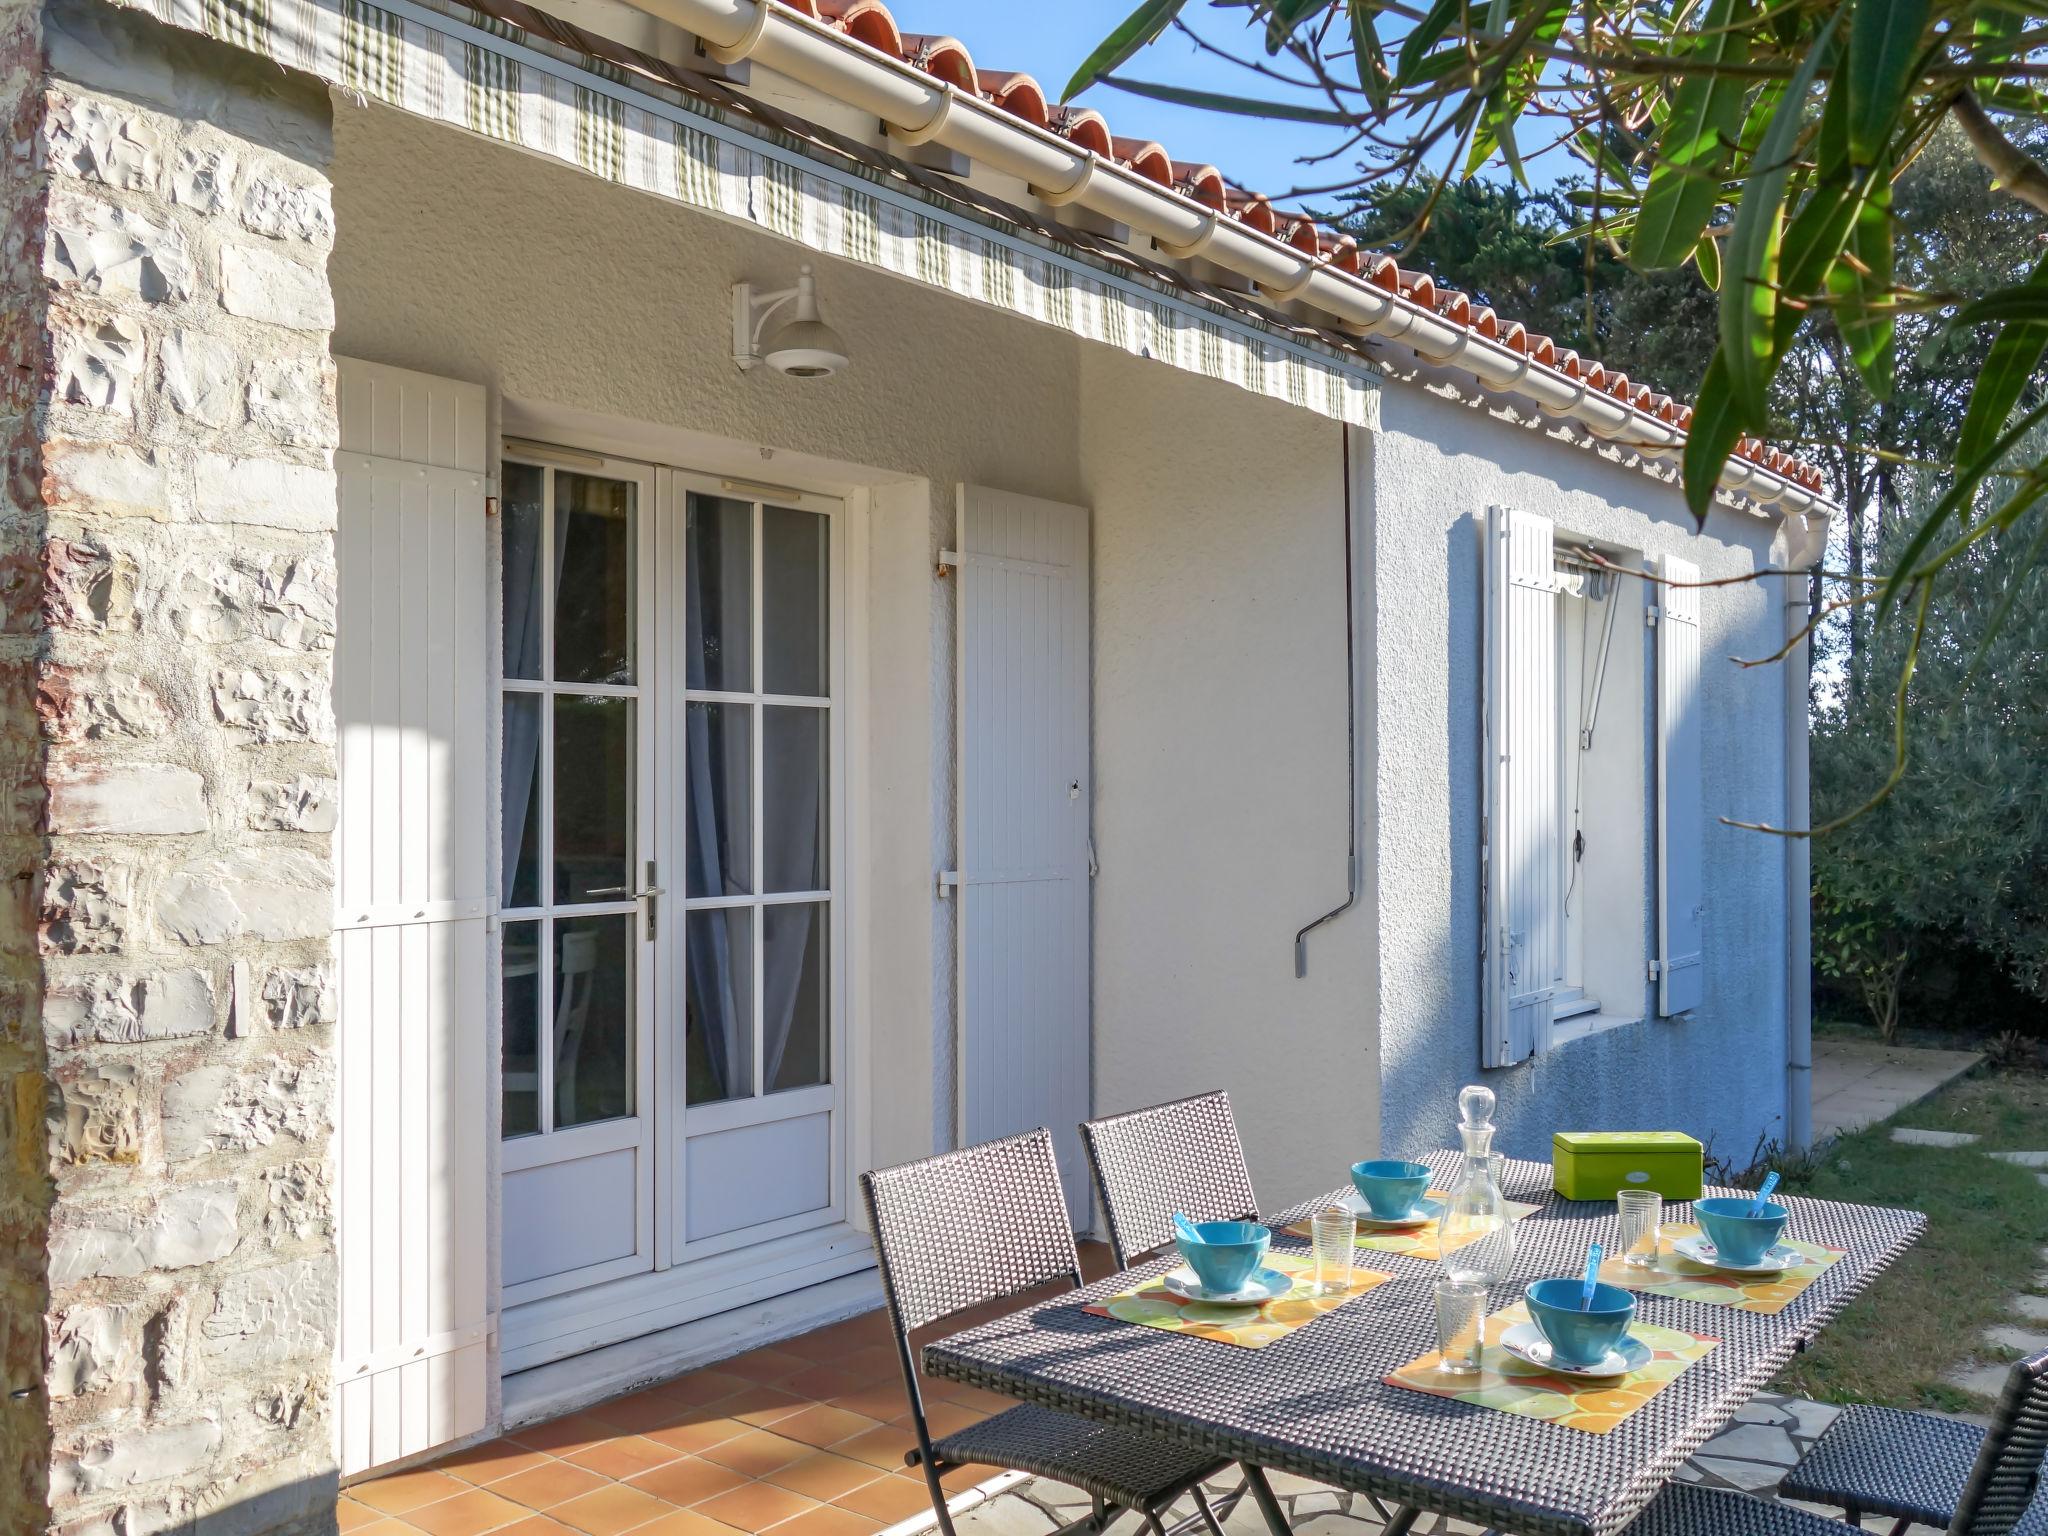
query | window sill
[1586, 1025]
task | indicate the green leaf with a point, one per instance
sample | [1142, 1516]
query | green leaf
[1692, 151]
[1427, 33]
[1286, 16]
[1368, 55]
[1962, 491]
[1749, 299]
[1716, 429]
[2014, 358]
[2024, 302]
[1865, 319]
[1884, 54]
[1213, 101]
[1707, 257]
[1136, 30]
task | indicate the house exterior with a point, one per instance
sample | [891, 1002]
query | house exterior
[511, 810]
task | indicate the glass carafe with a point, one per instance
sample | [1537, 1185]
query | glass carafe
[1477, 1239]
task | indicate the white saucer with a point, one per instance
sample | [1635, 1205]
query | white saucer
[1266, 1285]
[1525, 1341]
[1425, 1210]
[1695, 1246]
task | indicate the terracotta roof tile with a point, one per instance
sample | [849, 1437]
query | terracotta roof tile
[947, 58]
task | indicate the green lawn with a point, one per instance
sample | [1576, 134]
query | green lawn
[1987, 1222]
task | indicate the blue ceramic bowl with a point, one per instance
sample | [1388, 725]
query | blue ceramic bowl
[1390, 1187]
[1579, 1338]
[1742, 1239]
[1228, 1254]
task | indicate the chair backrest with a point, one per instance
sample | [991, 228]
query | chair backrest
[971, 1226]
[1150, 1163]
[2007, 1475]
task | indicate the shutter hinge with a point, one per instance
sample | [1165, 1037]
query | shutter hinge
[948, 878]
[1650, 616]
[490, 506]
[1656, 970]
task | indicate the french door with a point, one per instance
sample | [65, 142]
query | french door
[672, 979]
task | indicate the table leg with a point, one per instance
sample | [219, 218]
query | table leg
[1269, 1506]
[1404, 1517]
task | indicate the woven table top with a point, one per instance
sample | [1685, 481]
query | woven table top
[1314, 1403]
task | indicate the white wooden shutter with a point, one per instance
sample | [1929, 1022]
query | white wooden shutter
[1022, 884]
[411, 675]
[1681, 809]
[1524, 811]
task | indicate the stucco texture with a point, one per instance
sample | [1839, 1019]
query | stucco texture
[1717, 1074]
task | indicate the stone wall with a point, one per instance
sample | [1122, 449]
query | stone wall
[167, 589]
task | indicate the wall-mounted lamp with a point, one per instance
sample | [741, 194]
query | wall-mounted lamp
[803, 346]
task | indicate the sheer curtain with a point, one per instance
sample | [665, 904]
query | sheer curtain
[717, 996]
[525, 635]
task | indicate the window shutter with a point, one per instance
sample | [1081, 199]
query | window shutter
[1681, 819]
[1525, 814]
[411, 677]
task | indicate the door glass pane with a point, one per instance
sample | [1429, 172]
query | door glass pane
[720, 797]
[795, 995]
[521, 1064]
[525, 568]
[794, 798]
[593, 797]
[522, 796]
[719, 1042]
[593, 1027]
[718, 601]
[594, 587]
[795, 602]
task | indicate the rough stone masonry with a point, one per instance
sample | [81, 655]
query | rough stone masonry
[167, 591]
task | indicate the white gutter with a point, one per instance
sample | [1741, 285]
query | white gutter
[920, 109]
[1800, 554]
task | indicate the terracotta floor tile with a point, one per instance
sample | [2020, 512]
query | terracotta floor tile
[960, 1479]
[469, 1513]
[822, 1424]
[490, 1461]
[559, 1437]
[388, 1525]
[888, 1499]
[689, 1480]
[351, 1516]
[537, 1525]
[757, 1453]
[699, 1386]
[683, 1522]
[643, 1411]
[756, 1506]
[944, 1418]
[403, 1491]
[826, 1343]
[761, 1405]
[877, 1362]
[823, 1381]
[880, 1447]
[546, 1486]
[823, 1476]
[877, 1400]
[828, 1520]
[768, 1365]
[626, 1455]
[700, 1433]
[610, 1510]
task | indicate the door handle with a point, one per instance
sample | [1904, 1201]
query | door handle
[646, 893]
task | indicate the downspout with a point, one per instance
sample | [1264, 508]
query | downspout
[1351, 790]
[927, 110]
[1804, 548]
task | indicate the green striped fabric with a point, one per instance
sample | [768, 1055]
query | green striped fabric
[467, 71]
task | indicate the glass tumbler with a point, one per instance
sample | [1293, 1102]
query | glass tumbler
[1330, 1233]
[1460, 1313]
[1642, 1222]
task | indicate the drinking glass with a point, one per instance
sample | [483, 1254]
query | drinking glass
[1460, 1313]
[1642, 1221]
[1330, 1236]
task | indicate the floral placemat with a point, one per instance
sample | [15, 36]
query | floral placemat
[1506, 1382]
[1417, 1242]
[1678, 1276]
[1151, 1305]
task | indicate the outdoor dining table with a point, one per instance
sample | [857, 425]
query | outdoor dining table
[1315, 1402]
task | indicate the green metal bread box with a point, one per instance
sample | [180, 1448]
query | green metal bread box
[1594, 1165]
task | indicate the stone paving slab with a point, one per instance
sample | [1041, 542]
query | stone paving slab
[1913, 1136]
[2024, 1159]
[1858, 1083]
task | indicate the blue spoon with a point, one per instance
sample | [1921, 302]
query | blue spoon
[1592, 1278]
[1186, 1228]
[1763, 1193]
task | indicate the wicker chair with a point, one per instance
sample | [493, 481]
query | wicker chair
[1966, 1480]
[981, 1225]
[1684, 1509]
[1182, 1156]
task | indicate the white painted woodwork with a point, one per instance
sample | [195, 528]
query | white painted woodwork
[1681, 806]
[1023, 921]
[1525, 842]
[410, 692]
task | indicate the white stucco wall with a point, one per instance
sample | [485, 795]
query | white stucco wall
[1718, 1074]
[1220, 772]
[468, 260]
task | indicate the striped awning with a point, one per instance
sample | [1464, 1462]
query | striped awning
[472, 70]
